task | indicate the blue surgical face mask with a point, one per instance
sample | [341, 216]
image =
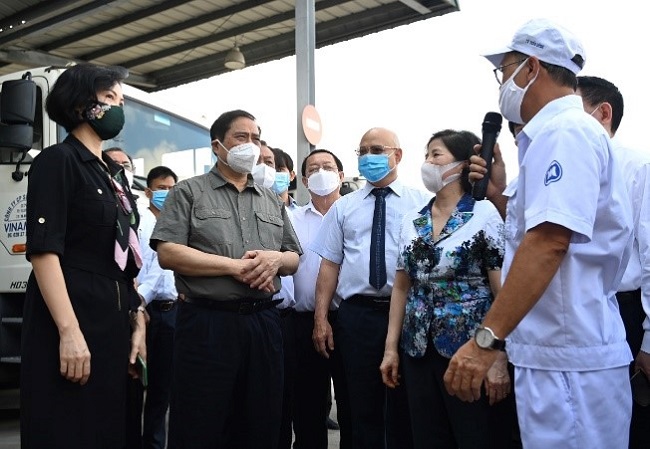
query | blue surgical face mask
[281, 183]
[375, 167]
[158, 198]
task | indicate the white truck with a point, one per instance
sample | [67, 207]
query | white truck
[153, 135]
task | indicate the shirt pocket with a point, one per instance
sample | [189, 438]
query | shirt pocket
[270, 229]
[97, 206]
[213, 226]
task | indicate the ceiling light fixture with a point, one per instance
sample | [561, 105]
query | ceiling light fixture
[235, 59]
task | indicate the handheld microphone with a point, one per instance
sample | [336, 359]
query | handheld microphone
[491, 128]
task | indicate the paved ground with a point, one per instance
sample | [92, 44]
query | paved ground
[10, 428]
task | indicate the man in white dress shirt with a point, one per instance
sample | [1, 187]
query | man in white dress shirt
[322, 174]
[157, 288]
[603, 101]
[358, 246]
[568, 241]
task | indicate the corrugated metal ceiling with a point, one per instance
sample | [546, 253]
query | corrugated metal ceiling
[165, 43]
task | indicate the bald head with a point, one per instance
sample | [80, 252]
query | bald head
[385, 135]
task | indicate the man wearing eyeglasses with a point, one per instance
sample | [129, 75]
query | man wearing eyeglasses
[568, 240]
[358, 245]
[124, 159]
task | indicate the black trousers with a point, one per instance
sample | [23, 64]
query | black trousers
[160, 351]
[631, 309]
[312, 388]
[227, 379]
[290, 364]
[380, 416]
[442, 421]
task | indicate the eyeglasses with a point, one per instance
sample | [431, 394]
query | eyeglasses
[500, 69]
[314, 168]
[126, 165]
[373, 149]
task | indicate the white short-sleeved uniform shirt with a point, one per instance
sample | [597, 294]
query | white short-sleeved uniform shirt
[569, 177]
[345, 235]
[635, 166]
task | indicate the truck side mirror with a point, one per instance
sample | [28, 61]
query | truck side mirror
[17, 113]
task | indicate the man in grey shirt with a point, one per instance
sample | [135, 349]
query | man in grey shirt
[228, 241]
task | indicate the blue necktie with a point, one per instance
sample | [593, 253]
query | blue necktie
[377, 242]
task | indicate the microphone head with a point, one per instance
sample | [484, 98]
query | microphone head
[492, 122]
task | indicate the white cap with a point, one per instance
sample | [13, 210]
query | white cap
[548, 42]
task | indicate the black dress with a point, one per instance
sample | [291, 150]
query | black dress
[72, 211]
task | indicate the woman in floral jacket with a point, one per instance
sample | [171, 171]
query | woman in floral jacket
[448, 273]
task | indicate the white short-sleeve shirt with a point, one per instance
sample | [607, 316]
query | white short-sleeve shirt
[568, 177]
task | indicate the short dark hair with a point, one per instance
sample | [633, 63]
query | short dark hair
[120, 150]
[160, 172]
[282, 159]
[222, 124]
[303, 168]
[76, 89]
[461, 145]
[596, 90]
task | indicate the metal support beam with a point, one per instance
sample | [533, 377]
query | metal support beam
[305, 84]
[417, 6]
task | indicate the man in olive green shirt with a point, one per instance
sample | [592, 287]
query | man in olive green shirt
[228, 241]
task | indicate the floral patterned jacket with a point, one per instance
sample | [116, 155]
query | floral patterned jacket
[450, 292]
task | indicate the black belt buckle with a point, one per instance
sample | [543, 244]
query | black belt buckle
[166, 306]
[247, 307]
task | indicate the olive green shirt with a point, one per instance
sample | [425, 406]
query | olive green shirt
[209, 214]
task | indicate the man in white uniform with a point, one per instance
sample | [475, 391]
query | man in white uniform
[603, 101]
[568, 240]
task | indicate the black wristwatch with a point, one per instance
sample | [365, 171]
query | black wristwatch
[485, 339]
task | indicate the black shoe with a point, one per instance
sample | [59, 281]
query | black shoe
[331, 424]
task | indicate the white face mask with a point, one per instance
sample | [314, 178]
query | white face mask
[129, 177]
[242, 158]
[264, 175]
[433, 175]
[511, 97]
[323, 182]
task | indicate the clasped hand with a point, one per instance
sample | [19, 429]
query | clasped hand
[259, 268]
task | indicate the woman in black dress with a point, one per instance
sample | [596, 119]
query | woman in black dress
[81, 326]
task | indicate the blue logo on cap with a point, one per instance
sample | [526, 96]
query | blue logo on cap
[553, 173]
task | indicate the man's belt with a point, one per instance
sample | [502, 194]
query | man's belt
[163, 306]
[377, 302]
[240, 306]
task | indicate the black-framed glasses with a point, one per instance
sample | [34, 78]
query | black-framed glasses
[373, 149]
[500, 69]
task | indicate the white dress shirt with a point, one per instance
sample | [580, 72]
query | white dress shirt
[306, 222]
[154, 283]
[569, 177]
[286, 289]
[635, 167]
[344, 237]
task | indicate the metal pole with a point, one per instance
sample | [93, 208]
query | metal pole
[305, 84]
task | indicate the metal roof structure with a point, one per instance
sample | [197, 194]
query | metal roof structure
[166, 43]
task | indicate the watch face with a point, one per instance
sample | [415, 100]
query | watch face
[484, 338]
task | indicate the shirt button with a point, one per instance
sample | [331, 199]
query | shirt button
[41, 220]
[243, 218]
[99, 191]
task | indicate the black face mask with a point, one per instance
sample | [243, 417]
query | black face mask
[106, 120]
